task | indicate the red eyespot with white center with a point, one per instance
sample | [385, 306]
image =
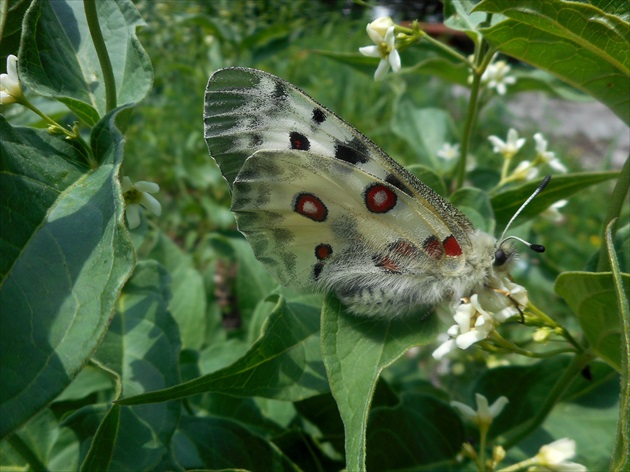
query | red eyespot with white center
[379, 198]
[308, 205]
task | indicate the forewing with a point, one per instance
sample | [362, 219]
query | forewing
[247, 110]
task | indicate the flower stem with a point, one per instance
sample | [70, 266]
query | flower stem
[513, 348]
[450, 51]
[482, 59]
[101, 52]
[553, 324]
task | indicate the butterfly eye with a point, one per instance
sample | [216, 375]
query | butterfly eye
[500, 257]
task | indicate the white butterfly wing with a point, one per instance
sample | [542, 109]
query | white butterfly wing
[323, 206]
[247, 110]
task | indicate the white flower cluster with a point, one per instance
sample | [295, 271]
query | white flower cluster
[477, 317]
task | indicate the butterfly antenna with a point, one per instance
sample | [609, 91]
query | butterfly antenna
[533, 247]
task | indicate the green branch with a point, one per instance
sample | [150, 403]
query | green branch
[101, 52]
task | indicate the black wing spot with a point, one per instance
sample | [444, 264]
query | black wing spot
[279, 92]
[318, 116]
[299, 141]
[392, 179]
[353, 152]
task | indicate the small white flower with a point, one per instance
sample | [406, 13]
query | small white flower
[554, 457]
[484, 414]
[485, 310]
[136, 195]
[524, 171]
[448, 151]
[10, 89]
[542, 335]
[381, 31]
[495, 77]
[553, 212]
[507, 148]
[378, 28]
[547, 157]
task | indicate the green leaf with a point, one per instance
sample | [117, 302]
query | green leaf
[621, 457]
[583, 44]
[527, 387]
[219, 443]
[506, 202]
[427, 176]
[99, 456]
[475, 204]
[284, 363]
[420, 430]
[142, 346]
[459, 16]
[73, 257]
[253, 282]
[43, 443]
[355, 351]
[188, 303]
[425, 130]
[57, 58]
[593, 299]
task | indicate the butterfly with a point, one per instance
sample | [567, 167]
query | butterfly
[323, 207]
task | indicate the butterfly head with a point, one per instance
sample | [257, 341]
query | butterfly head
[503, 255]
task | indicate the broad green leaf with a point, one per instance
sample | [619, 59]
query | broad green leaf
[593, 299]
[420, 430]
[428, 61]
[142, 346]
[74, 256]
[36, 168]
[475, 204]
[587, 414]
[188, 302]
[90, 380]
[356, 350]
[253, 282]
[459, 16]
[428, 177]
[99, 456]
[57, 58]
[43, 443]
[425, 130]
[582, 44]
[284, 363]
[527, 387]
[506, 202]
[219, 443]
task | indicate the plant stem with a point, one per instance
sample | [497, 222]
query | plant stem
[446, 49]
[614, 210]
[552, 323]
[481, 62]
[573, 370]
[101, 52]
